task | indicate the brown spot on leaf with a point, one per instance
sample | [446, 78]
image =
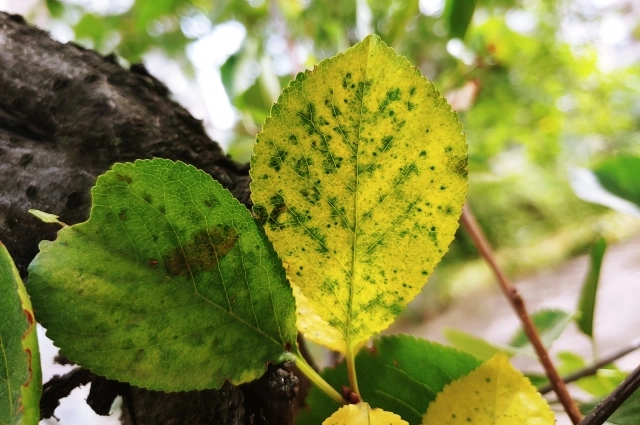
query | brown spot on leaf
[123, 178]
[202, 252]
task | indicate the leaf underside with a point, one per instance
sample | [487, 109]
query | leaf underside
[359, 175]
[493, 394]
[169, 285]
[20, 374]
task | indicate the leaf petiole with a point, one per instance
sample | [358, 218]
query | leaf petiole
[318, 380]
[351, 370]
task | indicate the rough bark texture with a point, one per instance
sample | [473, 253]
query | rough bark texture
[66, 115]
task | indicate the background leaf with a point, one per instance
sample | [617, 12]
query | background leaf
[20, 374]
[363, 414]
[601, 384]
[359, 175]
[400, 374]
[478, 347]
[621, 176]
[494, 394]
[457, 14]
[549, 322]
[627, 414]
[169, 285]
[587, 302]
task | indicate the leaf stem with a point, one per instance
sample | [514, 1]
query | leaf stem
[610, 404]
[593, 369]
[471, 225]
[351, 371]
[318, 380]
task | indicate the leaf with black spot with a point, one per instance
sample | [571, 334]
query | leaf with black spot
[359, 176]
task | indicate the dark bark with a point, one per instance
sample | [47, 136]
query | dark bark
[66, 115]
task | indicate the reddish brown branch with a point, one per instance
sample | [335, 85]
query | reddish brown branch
[469, 222]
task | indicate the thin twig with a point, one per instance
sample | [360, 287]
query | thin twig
[593, 369]
[469, 222]
[606, 407]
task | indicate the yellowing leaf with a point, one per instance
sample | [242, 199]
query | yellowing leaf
[359, 176]
[493, 394]
[363, 414]
[313, 327]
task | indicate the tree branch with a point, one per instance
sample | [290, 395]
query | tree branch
[471, 225]
[593, 369]
[610, 404]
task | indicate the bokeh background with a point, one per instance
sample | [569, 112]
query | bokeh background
[544, 89]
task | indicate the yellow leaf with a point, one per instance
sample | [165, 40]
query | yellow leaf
[313, 327]
[493, 394]
[359, 175]
[363, 414]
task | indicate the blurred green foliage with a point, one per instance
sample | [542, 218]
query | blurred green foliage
[531, 102]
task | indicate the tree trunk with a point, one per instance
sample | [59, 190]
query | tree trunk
[66, 115]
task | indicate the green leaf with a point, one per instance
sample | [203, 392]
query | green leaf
[587, 303]
[169, 285]
[45, 217]
[621, 176]
[493, 394]
[549, 323]
[614, 184]
[359, 175]
[478, 347]
[457, 14]
[601, 384]
[400, 374]
[20, 374]
[627, 414]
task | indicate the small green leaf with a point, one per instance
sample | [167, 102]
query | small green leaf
[359, 176]
[20, 374]
[493, 394]
[44, 216]
[169, 285]
[400, 374]
[627, 414]
[587, 303]
[457, 14]
[601, 384]
[549, 323]
[472, 344]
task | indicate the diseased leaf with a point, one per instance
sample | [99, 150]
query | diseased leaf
[313, 327]
[20, 374]
[363, 414]
[359, 176]
[587, 303]
[400, 374]
[493, 394]
[169, 285]
[627, 414]
[549, 323]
